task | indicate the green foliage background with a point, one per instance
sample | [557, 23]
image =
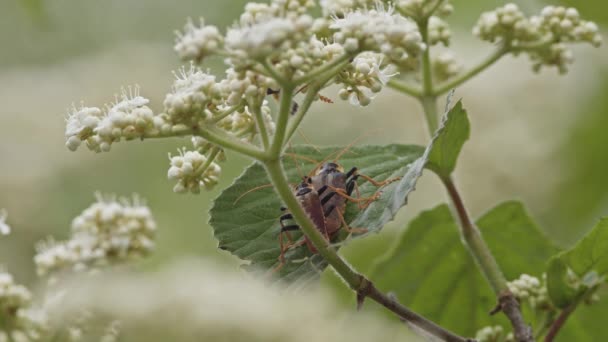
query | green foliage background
[58, 52]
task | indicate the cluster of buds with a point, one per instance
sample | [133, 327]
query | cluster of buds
[198, 42]
[420, 8]
[193, 170]
[439, 31]
[5, 229]
[108, 232]
[20, 320]
[128, 118]
[380, 30]
[542, 37]
[531, 289]
[365, 77]
[445, 66]
[493, 334]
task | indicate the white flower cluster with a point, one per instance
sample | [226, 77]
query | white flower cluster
[340, 7]
[193, 170]
[20, 321]
[531, 289]
[198, 42]
[5, 229]
[542, 37]
[493, 334]
[445, 66]
[107, 232]
[129, 118]
[194, 93]
[365, 77]
[420, 8]
[380, 30]
[439, 31]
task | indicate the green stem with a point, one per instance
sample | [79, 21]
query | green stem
[284, 112]
[429, 105]
[272, 72]
[361, 285]
[405, 88]
[472, 236]
[210, 158]
[259, 118]
[218, 117]
[467, 75]
[340, 61]
[427, 72]
[218, 137]
[487, 264]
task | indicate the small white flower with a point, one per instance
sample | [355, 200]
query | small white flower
[192, 170]
[80, 125]
[380, 30]
[5, 229]
[198, 42]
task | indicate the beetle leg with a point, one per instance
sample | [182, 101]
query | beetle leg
[363, 202]
[350, 230]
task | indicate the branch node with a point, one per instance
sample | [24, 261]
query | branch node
[364, 290]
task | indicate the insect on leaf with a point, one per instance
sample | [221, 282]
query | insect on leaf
[247, 223]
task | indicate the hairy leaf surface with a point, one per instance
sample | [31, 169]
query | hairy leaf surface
[247, 224]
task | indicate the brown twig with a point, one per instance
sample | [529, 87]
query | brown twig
[369, 290]
[559, 322]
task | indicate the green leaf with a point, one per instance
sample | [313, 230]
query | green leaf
[560, 292]
[430, 270]
[249, 227]
[448, 141]
[588, 259]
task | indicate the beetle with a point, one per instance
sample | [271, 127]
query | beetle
[323, 196]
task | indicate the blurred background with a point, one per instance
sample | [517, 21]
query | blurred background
[539, 138]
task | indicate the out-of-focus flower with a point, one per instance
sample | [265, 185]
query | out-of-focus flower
[208, 303]
[542, 37]
[5, 229]
[198, 42]
[445, 65]
[21, 321]
[108, 232]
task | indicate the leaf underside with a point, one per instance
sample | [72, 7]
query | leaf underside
[249, 227]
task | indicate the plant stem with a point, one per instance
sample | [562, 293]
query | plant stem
[488, 265]
[405, 88]
[467, 75]
[259, 119]
[323, 69]
[361, 285]
[560, 321]
[427, 72]
[284, 111]
[429, 105]
[471, 235]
